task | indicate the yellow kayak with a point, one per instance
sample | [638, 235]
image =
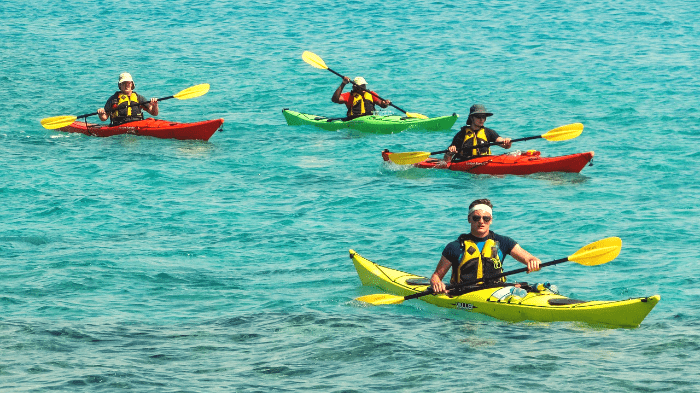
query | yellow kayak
[498, 302]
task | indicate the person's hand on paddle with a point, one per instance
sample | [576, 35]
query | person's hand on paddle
[346, 80]
[153, 108]
[504, 142]
[102, 114]
[533, 265]
[437, 285]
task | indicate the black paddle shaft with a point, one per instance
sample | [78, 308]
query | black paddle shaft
[374, 94]
[134, 104]
[492, 144]
[470, 283]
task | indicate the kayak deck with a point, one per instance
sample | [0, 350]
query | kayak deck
[526, 163]
[157, 128]
[372, 123]
[541, 306]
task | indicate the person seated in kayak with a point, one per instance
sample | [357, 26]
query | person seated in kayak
[117, 107]
[480, 253]
[360, 101]
[465, 143]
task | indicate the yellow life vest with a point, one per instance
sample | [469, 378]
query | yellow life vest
[362, 104]
[472, 140]
[122, 111]
[476, 265]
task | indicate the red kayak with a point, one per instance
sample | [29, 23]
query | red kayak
[525, 163]
[202, 130]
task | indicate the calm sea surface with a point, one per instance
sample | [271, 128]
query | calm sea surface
[132, 263]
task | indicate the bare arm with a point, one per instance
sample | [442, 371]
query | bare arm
[436, 279]
[336, 95]
[524, 257]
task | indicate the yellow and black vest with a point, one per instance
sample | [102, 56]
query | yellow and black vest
[477, 264]
[121, 111]
[472, 140]
[362, 104]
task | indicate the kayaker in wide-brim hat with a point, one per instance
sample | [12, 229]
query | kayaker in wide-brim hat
[360, 101]
[467, 142]
[118, 107]
[477, 110]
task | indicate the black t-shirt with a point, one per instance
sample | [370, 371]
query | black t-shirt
[454, 250]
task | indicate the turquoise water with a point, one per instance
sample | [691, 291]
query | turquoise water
[140, 264]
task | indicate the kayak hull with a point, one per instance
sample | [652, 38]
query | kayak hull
[157, 128]
[507, 164]
[533, 307]
[372, 124]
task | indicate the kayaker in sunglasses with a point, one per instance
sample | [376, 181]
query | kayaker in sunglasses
[117, 107]
[360, 101]
[480, 253]
[465, 143]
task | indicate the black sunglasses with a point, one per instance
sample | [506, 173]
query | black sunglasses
[477, 218]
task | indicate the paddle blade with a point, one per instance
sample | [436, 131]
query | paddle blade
[314, 60]
[409, 158]
[192, 92]
[381, 299]
[416, 115]
[569, 131]
[598, 253]
[52, 123]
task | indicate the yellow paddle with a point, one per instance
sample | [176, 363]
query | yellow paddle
[315, 61]
[596, 253]
[53, 123]
[562, 133]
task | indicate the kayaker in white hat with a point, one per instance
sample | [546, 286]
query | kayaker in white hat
[480, 253]
[360, 101]
[118, 107]
[465, 144]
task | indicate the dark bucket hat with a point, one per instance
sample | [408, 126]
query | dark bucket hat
[477, 109]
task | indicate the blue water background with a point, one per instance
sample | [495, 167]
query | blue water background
[131, 263]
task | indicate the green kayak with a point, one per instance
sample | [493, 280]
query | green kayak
[375, 124]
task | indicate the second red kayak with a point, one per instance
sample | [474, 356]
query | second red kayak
[157, 128]
[525, 163]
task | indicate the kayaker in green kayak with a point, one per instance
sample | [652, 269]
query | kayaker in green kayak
[479, 253]
[117, 107]
[360, 101]
[465, 144]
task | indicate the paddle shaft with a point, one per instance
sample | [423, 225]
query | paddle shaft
[374, 94]
[130, 105]
[493, 143]
[469, 283]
